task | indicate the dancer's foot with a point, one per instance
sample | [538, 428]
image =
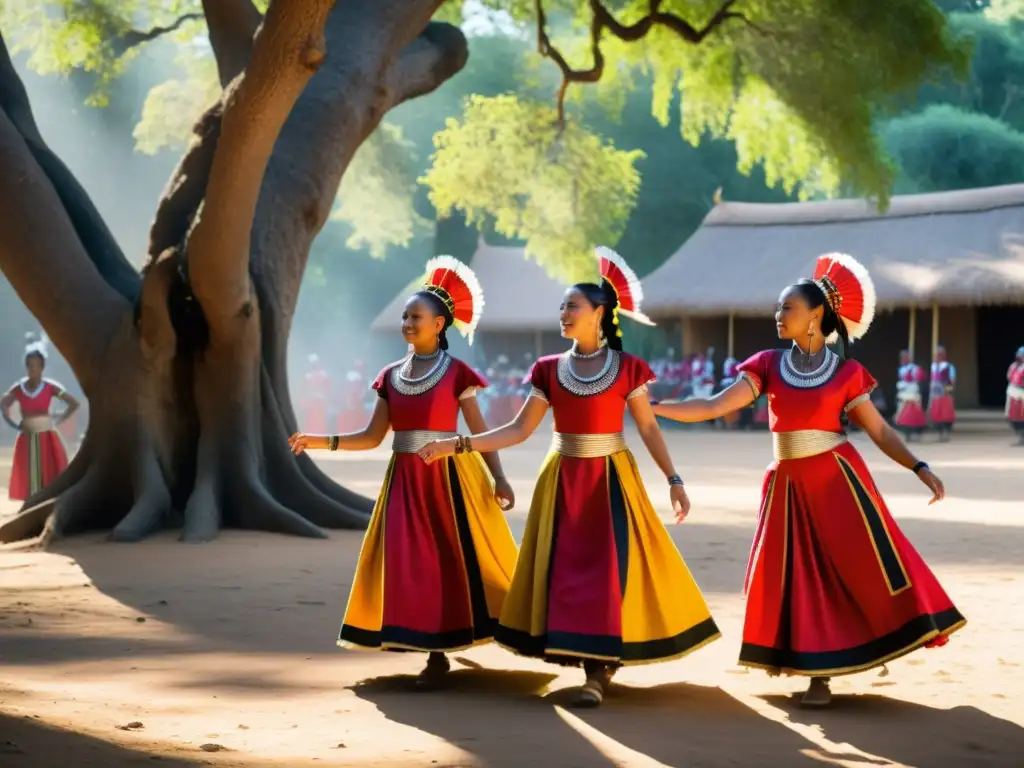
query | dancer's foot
[591, 694]
[818, 693]
[433, 675]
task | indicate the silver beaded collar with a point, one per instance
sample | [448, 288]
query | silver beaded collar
[404, 384]
[810, 379]
[586, 386]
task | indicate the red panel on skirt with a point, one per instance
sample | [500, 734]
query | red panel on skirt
[52, 457]
[832, 583]
[425, 584]
[941, 410]
[910, 415]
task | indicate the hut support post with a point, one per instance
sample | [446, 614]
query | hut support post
[912, 330]
[935, 329]
[732, 335]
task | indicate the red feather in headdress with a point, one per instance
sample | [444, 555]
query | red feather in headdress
[849, 290]
[457, 286]
[623, 279]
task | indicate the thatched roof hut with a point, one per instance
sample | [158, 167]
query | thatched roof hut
[949, 248]
[518, 294]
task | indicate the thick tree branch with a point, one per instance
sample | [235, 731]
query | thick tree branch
[98, 241]
[232, 25]
[134, 37]
[431, 59]
[602, 20]
[43, 258]
[288, 49]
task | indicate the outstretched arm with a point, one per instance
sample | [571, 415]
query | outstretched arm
[867, 417]
[365, 439]
[5, 409]
[647, 425]
[516, 431]
[739, 395]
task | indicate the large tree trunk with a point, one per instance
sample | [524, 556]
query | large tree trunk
[184, 366]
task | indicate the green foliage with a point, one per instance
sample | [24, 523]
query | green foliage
[945, 148]
[376, 195]
[561, 189]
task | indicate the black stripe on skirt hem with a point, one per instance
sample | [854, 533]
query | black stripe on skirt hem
[555, 645]
[430, 641]
[879, 650]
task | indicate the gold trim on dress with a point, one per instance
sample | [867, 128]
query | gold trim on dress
[37, 424]
[412, 440]
[802, 443]
[588, 446]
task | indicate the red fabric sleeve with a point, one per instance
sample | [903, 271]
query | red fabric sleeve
[637, 372]
[380, 384]
[538, 377]
[466, 378]
[758, 368]
[859, 384]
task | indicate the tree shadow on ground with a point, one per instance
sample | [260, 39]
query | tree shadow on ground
[913, 734]
[493, 715]
[26, 741]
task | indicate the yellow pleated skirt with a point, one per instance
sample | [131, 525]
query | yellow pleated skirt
[598, 576]
[436, 562]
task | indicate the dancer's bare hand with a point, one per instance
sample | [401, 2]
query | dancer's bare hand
[680, 502]
[934, 484]
[300, 442]
[504, 494]
[438, 449]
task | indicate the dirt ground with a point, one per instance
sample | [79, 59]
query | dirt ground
[118, 655]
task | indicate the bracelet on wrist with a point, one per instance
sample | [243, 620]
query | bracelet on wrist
[332, 442]
[675, 480]
[916, 469]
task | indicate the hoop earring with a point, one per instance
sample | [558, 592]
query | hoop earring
[810, 336]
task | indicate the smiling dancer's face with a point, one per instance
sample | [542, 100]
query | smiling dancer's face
[421, 325]
[579, 319]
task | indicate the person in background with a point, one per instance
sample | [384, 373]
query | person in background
[941, 409]
[438, 556]
[910, 417]
[39, 452]
[833, 586]
[1015, 395]
[316, 397]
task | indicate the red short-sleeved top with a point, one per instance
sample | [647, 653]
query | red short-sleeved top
[589, 408]
[432, 402]
[35, 402]
[793, 406]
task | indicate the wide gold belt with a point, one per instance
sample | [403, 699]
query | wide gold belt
[588, 446]
[802, 443]
[411, 440]
[36, 424]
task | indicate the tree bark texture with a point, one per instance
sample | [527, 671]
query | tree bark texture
[184, 365]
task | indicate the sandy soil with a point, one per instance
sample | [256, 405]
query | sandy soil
[117, 655]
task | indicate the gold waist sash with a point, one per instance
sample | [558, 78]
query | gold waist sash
[588, 446]
[411, 440]
[802, 443]
[37, 424]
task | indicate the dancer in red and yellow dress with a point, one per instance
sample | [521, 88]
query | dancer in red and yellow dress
[438, 556]
[833, 586]
[598, 582]
[1015, 395]
[39, 452]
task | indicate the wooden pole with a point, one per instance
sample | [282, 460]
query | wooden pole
[935, 329]
[538, 345]
[912, 331]
[732, 334]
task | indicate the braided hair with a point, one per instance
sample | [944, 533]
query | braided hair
[830, 321]
[604, 295]
[441, 310]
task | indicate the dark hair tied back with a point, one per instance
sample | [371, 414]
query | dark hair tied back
[830, 321]
[440, 310]
[604, 295]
